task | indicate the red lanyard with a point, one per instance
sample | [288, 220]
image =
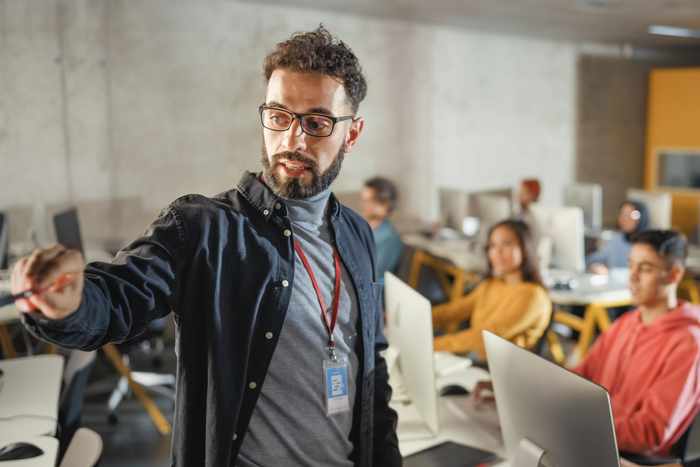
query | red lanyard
[329, 325]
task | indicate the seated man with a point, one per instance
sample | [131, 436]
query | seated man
[649, 360]
[379, 197]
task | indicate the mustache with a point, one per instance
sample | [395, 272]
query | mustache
[295, 156]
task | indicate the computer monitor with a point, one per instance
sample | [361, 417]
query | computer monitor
[409, 329]
[67, 228]
[4, 241]
[588, 197]
[548, 412]
[491, 209]
[657, 203]
[453, 207]
[564, 226]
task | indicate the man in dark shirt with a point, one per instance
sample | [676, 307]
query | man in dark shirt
[272, 284]
[379, 197]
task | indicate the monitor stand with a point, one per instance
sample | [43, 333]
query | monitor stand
[528, 454]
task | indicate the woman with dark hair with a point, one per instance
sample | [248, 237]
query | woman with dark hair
[633, 218]
[510, 302]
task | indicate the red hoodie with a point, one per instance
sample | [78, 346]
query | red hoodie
[652, 373]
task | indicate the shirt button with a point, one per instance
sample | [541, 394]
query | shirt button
[235, 436]
[266, 212]
[268, 335]
[278, 206]
[287, 233]
[252, 385]
[285, 283]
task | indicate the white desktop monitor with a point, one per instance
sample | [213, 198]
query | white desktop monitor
[453, 205]
[504, 192]
[547, 410]
[409, 329]
[564, 226]
[588, 197]
[492, 209]
[657, 203]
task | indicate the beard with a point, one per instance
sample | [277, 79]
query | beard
[294, 187]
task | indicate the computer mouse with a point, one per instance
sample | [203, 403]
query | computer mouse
[454, 390]
[17, 451]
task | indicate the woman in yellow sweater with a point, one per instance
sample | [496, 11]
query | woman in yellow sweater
[510, 302]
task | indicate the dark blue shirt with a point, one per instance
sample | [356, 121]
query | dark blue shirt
[224, 266]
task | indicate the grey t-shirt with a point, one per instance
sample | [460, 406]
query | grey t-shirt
[289, 425]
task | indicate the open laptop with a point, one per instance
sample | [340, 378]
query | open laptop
[549, 415]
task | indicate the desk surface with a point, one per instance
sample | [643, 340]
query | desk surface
[461, 423]
[29, 396]
[46, 443]
[591, 288]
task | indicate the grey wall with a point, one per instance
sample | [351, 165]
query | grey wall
[122, 106]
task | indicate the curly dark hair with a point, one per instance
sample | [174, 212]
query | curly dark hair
[319, 52]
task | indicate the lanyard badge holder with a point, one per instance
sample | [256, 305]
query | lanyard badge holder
[335, 368]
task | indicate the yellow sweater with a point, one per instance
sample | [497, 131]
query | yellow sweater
[517, 312]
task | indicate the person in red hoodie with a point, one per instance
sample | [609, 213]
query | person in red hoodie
[649, 360]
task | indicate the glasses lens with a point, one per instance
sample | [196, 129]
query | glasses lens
[317, 125]
[276, 119]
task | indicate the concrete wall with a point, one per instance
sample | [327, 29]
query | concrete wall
[122, 106]
[611, 127]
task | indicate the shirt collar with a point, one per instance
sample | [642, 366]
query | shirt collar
[262, 198]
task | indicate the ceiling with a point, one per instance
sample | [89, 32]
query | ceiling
[608, 21]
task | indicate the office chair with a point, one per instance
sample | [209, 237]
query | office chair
[151, 342]
[686, 451]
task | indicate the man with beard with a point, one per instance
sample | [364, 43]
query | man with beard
[272, 284]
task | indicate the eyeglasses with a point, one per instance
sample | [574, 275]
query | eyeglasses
[313, 124]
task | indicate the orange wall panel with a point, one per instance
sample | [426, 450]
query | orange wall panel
[673, 121]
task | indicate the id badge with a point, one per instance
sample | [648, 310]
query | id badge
[335, 375]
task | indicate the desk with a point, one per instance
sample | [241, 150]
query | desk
[10, 314]
[29, 396]
[459, 423]
[46, 443]
[460, 259]
[597, 293]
